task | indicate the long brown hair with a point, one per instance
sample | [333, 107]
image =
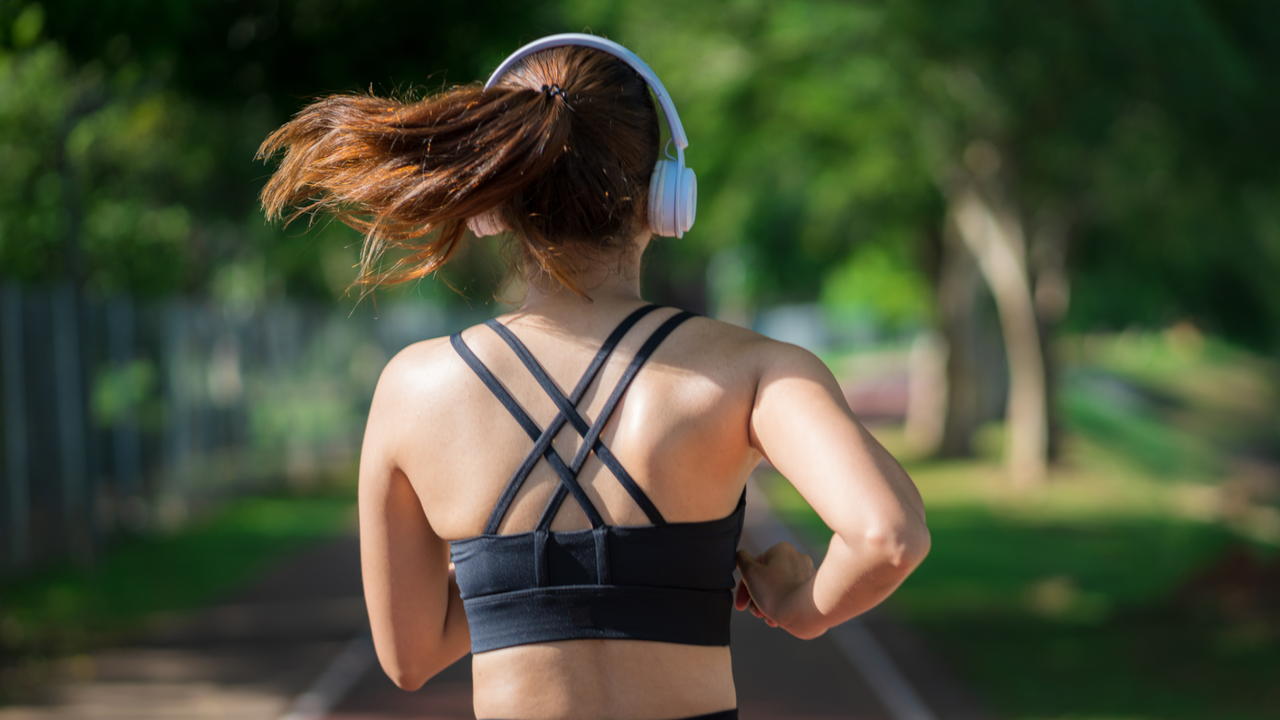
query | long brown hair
[561, 149]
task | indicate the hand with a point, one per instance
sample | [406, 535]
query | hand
[769, 579]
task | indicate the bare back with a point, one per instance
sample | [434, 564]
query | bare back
[681, 431]
[712, 400]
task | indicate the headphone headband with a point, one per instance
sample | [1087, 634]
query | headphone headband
[673, 189]
[613, 48]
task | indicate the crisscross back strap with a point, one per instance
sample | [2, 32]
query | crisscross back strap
[543, 439]
[568, 409]
[591, 440]
[530, 427]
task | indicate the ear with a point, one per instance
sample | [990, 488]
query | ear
[486, 224]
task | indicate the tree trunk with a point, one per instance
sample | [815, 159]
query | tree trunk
[958, 286]
[994, 235]
[1047, 262]
[926, 394]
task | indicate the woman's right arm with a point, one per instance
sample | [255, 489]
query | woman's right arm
[415, 608]
[802, 424]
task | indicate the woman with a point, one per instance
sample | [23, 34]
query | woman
[597, 573]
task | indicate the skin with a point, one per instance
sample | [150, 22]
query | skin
[713, 401]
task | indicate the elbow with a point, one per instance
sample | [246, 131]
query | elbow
[406, 675]
[407, 678]
[921, 545]
[900, 548]
[409, 683]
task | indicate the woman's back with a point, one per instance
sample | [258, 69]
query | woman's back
[681, 432]
[681, 429]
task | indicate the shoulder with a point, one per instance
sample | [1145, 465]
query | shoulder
[414, 368]
[420, 379]
[759, 357]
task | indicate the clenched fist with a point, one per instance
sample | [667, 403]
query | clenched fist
[770, 581]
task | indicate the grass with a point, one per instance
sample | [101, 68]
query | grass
[1071, 600]
[1062, 603]
[65, 610]
[1206, 395]
[1155, 445]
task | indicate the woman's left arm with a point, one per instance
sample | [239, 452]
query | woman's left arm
[415, 609]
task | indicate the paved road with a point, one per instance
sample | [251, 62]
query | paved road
[246, 660]
[250, 659]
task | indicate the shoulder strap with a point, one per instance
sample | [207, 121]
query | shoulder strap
[568, 409]
[591, 441]
[642, 357]
[530, 428]
[542, 440]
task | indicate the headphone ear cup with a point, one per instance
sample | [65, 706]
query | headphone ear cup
[656, 194]
[663, 216]
[687, 201]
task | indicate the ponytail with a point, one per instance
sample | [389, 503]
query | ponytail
[539, 152]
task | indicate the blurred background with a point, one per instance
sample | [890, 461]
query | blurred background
[1038, 243]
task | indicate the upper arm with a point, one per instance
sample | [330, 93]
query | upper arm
[403, 561]
[802, 424]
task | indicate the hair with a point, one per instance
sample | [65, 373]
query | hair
[561, 149]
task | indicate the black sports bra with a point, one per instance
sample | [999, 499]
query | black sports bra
[669, 582]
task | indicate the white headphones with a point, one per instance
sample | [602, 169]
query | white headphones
[673, 189]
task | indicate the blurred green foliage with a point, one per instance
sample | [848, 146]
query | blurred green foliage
[120, 392]
[1144, 128]
[818, 128]
[1155, 445]
[128, 130]
[877, 277]
[1084, 620]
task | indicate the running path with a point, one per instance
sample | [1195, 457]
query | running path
[284, 649]
[244, 660]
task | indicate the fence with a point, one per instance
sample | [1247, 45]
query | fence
[122, 415]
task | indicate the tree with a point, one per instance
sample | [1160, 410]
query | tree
[212, 78]
[1024, 132]
[1081, 104]
[95, 161]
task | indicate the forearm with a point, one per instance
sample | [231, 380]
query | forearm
[455, 637]
[412, 660]
[853, 578]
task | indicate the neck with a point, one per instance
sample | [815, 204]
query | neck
[605, 285]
